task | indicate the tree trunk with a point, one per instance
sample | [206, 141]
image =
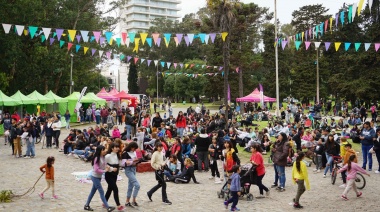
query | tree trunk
[226, 58]
[241, 87]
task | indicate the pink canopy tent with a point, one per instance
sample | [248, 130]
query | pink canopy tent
[124, 95]
[113, 92]
[108, 97]
[255, 97]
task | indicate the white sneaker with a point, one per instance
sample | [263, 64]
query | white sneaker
[218, 182]
[342, 186]
[318, 170]
[324, 176]
[210, 178]
[267, 193]
[260, 196]
[377, 172]
[315, 170]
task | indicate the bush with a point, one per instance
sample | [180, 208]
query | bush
[6, 196]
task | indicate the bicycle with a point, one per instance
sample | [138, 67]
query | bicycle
[360, 180]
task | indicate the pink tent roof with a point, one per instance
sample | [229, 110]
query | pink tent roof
[124, 95]
[113, 92]
[104, 95]
[255, 97]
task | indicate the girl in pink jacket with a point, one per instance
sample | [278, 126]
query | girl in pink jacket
[352, 168]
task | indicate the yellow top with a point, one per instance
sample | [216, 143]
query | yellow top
[300, 176]
[342, 148]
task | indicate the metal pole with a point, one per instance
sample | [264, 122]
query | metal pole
[317, 100]
[71, 74]
[276, 55]
[118, 78]
[157, 84]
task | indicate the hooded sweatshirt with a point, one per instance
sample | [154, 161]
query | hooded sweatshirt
[202, 142]
[347, 156]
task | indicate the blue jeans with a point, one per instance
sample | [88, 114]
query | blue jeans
[88, 118]
[366, 154]
[275, 175]
[78, 152]
[234, 199]
[180, 132]
[129, 131]
[281, 175]
[97, 119]
[96, 185]
[30, 148]
[169, 174]
[329, 164]
[133, 184]
[67, 124]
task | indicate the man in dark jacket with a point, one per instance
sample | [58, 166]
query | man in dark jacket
[7, 123]
[280, 155]
[104, 115]
[297, 138]
[202, 142]
[157, 120]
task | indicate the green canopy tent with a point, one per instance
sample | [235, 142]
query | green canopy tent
[41, 98]
[95, 98]
[8, 101]
[56, 98]
[25, 101]
[72, 101]
[60, 102]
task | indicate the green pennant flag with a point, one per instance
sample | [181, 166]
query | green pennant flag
[357, 46]
[43, 38]
[118, 41]
[61, 42]
[298, 43]
[32, 30]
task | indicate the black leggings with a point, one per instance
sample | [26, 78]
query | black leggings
[161, 183]
[57, 133]
[260, 184]
[214, 169]
[48, 141]
[111, 179]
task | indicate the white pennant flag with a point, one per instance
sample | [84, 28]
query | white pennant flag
[207, 37]
[354, 7]
[317, 44]
[46, 32]
[370, 5]
[19, 29]
[155, 62]
[100, 53]
[127, 41]
[7, 28]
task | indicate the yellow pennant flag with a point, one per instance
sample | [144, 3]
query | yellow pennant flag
[72, 34]
[111, 41]
[360, 6]
[136, 49]
[143, 37]
[337, 45]
[163, 74]
[85, 49]
[166, 43]
[224, 35]
[186, 65]
[331, 19]
[25, 32]
[303, 34]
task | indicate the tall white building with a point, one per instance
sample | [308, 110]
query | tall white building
[137, 15]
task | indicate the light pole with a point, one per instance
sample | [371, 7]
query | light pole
[118, 78]
[157, 84]
[317, 99]
[71, 73]
[276, 55]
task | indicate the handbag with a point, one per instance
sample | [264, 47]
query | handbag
[371, 150]
[193, 150]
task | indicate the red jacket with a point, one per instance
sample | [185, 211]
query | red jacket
[104, 113]
[181, 122]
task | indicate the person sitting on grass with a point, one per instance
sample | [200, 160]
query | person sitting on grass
[187, 174]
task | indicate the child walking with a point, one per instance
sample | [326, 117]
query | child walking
[352, 168]
[300, 176]
[234, 188]
[213, 150]
[48, 168]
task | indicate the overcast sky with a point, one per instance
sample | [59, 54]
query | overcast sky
[284, 7]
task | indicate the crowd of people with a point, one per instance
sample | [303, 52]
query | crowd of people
[179, 146]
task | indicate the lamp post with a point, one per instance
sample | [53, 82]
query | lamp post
[157, 84]
[71, 73]
[317, 98]
[276, 55]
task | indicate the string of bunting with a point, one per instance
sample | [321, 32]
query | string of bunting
[193, 75]
[80, 36]
[347, 45]
[317, 31]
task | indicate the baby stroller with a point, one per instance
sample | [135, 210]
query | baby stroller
[248, 176]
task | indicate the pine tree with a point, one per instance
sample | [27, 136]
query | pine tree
[132, 79]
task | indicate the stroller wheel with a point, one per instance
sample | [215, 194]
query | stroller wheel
[222, 194]
[249, 197]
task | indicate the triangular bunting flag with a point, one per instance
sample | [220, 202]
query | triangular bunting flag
[118, 41]
[100, 53]
[298, 43]
[124, 37]
[78, 38]
[370, 2]
[175, 65]
[72, 33]
[284, 44]
[360, 6]
[131, 36]
[32, 30]
[191, 38]
[349, 16]
[162, 64]
[128, 58]
[342, 17]
[224, 35]
[155, 62]
[176, 41]
[19, 29]
[336, 20]
[127, 42]
[307, 44]
[85, 49]
[377, 45]
[84, 35]
[69, 45]
[347, 46]
[149, 61]
[93, 52]
[108, 54]
[7, 28]
[77, 47]
[187, 41]
[143, 36]
[155, 37]
[207, 38]
[167, 38]
[366, 46]
[122, 57]
[186, 65]
[136, 49]
[179, 36]
[149, 41]
[202, 36]
[97, 36]
[142, 60]
[168, 64]
[354, 9]
[317, 44]
[43, 38]
[136, 59]
[102, 39]
[212, 36]
[61, 42]
[337, 45]
[108, 36]
[181, 64]
[158, 42]
[46, 32]
[357, 46]
[52, 41]
[327, 45]
[220, 68]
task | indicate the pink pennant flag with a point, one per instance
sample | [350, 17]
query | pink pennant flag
[124, 36]
[212, 36]
[307, 43]
[59, 33]
[155, 38]
[69, 45]
[108, 55]
[326, 24]
[96, 35]
[377, 45]
[93, 52]
[192, 65]
[175, 65]
[220, 68]
[136, 59]
[237, 69]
